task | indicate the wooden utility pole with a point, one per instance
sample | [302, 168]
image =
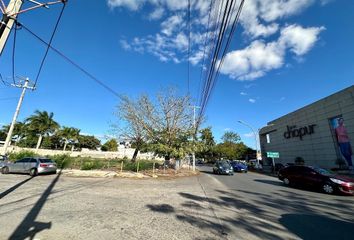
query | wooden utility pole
[9, 134]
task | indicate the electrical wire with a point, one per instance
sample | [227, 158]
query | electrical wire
[72, 62]
[49, 44]
[13, 54]
[215, 64]
[189, 45]
[204, 50]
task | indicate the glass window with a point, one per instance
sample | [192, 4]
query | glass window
[45, 160]
[33, 160]
[268, 137]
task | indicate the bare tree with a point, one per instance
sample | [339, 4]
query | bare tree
[164, 127]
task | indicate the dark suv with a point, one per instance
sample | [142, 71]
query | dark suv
[317, 178]
[223, 167]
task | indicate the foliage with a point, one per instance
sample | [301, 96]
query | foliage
[68, 135]
[20, 155]
[42, 124]
[90, 142]
[62, 160]
[164, 126]
[91, 164]
[231, 150]
[231, 137]
[110, 145]
[206, 149]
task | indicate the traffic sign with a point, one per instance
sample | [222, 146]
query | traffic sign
[273, 154]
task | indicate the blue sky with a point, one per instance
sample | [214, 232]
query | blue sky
[284, 55]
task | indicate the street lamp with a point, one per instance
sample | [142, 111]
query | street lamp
[255, 138]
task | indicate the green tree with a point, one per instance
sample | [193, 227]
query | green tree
[207, 144]
[42, 124]
[69, 135]
[230, 137]
[110, 145]
[18, 133]
[90, 142]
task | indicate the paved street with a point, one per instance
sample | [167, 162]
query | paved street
[244, 206]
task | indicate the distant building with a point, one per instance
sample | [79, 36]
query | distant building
[320, 133]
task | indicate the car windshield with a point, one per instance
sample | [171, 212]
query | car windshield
[224, 164]
[45, 160]
[323, 171]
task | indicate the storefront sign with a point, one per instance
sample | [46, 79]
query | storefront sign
[294, 132]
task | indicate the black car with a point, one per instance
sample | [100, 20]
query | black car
[223, 167]
[316, 178]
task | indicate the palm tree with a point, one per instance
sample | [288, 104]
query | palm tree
[69, 135]
[43, 124]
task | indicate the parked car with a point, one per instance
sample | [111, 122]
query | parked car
[317, 178]
[31, 165]
[239, 166]
[3, 160]
[223, 167]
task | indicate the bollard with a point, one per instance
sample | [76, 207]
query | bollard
[137, 167]
[121, 166]
[153, 168]
[108, 163]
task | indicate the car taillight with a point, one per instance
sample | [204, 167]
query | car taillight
[43, 165]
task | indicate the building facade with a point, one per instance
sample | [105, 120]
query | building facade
[320, 133]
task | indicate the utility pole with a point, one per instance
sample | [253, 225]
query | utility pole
[9, 15]
[194, 127]
[8, 19]
[9, 134]
[255, 138]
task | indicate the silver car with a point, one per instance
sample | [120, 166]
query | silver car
[3, 160]
[31, 165]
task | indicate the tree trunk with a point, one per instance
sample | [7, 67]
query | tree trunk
[65, 143]
[39, 142]
[135, 154]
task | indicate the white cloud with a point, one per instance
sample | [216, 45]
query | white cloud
[243, 93]
[156, 14]
[259, 57]
[172, 24]
[249, 135]
[259, 19]
[252, 100]
[299, 39]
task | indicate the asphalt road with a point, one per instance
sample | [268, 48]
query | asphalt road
[252, 205]
[245, 206]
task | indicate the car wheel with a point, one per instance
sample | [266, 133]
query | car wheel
[286, 181]
[328, 188]
[5, 170]
[33, 172]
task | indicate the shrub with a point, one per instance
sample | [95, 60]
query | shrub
[91, 164]
[62, 160]
[22, 154]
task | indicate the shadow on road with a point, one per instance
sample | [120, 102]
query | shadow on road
[317, 227]
[28, 228]
[162, 208]
[272, 182]
[13, 188]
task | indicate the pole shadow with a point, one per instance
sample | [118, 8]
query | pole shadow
[28, 228]
[13, 188]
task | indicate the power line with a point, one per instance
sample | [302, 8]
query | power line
[189, 44]
[214, 68]
[50, 42]
[72, 62]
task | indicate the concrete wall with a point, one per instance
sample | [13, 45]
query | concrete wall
[121, 153]
[319, 148]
